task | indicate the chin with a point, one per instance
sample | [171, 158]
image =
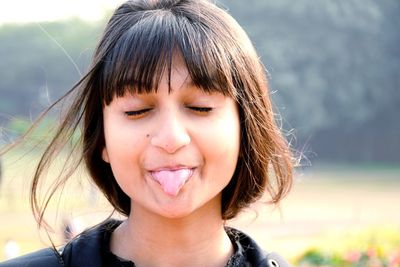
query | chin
[175, 212]
[186, 208]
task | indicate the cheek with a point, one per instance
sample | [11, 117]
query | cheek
[230, 133]
[121, 137]
[123, 147]
[222, 144]
[124, 156]
[227, 142]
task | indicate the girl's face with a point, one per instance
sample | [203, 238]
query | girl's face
[172, 152]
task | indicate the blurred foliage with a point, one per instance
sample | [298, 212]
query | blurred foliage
[333, 66]
[39, 135]
[18, 126]
[375, 247]
[35, 70]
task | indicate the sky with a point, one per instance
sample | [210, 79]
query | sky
[22, 11]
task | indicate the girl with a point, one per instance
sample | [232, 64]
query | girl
[178, 133]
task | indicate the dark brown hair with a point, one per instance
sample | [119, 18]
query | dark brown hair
[137, 46]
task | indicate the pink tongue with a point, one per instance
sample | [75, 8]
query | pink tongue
[172, 181]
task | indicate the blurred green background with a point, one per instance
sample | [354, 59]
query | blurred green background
[334, 69]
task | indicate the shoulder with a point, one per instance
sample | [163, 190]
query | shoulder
[85, 250]
[88, 247]
[253, 254]
[43, 258]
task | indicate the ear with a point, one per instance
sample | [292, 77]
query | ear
[104, 155]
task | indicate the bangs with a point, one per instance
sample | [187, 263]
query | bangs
[144, 52]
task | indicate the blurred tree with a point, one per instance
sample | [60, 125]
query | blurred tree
[335, 69]
[38, 63]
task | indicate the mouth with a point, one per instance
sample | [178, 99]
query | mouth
[172, 179]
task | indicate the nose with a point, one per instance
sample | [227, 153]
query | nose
[170, 134]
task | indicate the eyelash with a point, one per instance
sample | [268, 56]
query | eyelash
[137, 113]
[133, 113]
[201, 109]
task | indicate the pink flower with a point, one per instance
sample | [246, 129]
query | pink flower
[372, 253]
[394, 260]
[353, 256]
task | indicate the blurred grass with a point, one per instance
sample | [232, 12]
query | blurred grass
[372, 246]
[78, 200]
[327, 201]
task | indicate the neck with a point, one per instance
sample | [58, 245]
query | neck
[195, 240]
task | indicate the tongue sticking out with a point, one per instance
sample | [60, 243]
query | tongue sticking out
[172, 181]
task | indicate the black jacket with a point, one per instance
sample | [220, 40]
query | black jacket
[88, 249]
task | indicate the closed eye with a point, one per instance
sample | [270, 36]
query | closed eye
[201, 109]
[137, 113]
